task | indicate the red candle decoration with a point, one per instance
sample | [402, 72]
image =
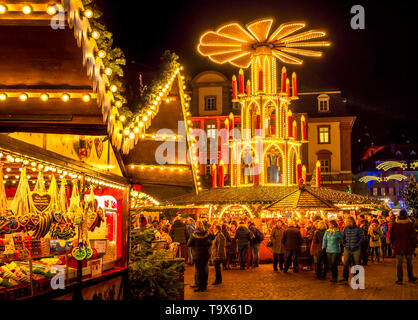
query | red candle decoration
[303, 127]
[289, 123]
[318, 174]
[248, 87]
[241, 82]
[304, 174]
[227, 126]
[284, 79]
[287, 87]
[294, 86]
[234, 88]
[298, 171]
[214, 175]
[260, 80]
[295, 128]
[231, 121]
[221, 175]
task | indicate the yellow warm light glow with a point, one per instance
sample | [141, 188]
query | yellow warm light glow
[65, 97]
[234, 44]
[114, 88]
[3, 9]
[95, 35]
[88, 13]
[51, 10]
[101, 54]
[27, 9]
[23, 97]
[44, 97]
[108, 71]
[122, 118]
[86, 98]
[3, 96]
[118, 104]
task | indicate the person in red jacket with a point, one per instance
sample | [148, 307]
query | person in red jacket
[404, 239]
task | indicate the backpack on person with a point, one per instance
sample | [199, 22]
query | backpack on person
[259, 236]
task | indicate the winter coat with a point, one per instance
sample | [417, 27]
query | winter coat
[364, 225]
[228, 239]
[276, 238]
[353, 238]
[292, 239]
[258, 236]
[242, 235]
[218, 251]
[179, 232]
[331, 241]
[403, 237]
[317, 239]
[200, 243]
[375, 236]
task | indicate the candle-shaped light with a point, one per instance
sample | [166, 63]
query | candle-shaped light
[289, 123]
[298, 171]
[214, 176]
[318, 174]
[287, 87]
[260, 81]
[295, 130]
[303, 127]
[294, 85]
[234, 88]
[248, 88]
[221, 174]
[241, 82]
[232, 125]
[304, 174]
[284, 79]
[227, 126]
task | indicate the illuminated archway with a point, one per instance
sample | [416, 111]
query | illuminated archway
[236, 211]
[273, 165]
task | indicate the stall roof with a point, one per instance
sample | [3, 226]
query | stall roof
[268, 195]
[301, 198]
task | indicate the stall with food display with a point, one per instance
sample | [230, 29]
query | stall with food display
[64, 197]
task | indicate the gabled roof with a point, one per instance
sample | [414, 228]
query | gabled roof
[302, 198]
[269, 195]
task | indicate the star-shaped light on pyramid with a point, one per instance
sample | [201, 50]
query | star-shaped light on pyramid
[234, 44]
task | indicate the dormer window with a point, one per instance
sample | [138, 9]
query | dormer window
[323, 103]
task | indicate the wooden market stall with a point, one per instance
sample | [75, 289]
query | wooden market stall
[65, 195]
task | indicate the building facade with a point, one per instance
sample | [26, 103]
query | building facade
[328, 126]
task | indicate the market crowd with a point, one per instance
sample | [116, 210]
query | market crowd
[313, 242]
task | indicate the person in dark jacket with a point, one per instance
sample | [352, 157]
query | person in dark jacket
[321, 254]
[364, 253]
[200, 243]
[353, 238]
[292, 240]
[190, 229]
[218, 253]
[179, 233]
[243, 238]
[255, 243]
[228, 243]
[404, 239]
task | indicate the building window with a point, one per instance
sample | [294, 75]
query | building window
[210, 103]
[391, 191]
[383, 191]
[325, 165]
[324, 134]
[375, 191]
[211, 131]
[323, 103]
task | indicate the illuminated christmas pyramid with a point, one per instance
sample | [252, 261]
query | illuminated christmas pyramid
[268, 151]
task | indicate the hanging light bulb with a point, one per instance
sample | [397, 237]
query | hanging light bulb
[44, 97]
[51, 10]
[86, 98]
[3, 96]
[65, 97]
[23, 97]
[88, 13]
[95, 35]
[27, 9]
[108, 71]
[101, 54]
[3, 9]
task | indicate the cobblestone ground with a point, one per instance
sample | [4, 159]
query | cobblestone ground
[263, 284]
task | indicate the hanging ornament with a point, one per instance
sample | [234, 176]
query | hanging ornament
[3, 198]
[40, 183]
[21, 203]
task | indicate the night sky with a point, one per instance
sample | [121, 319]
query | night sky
[374, 67]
